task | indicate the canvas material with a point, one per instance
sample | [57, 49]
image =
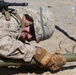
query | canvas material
[9, 30]
[10, 47]
[48, 23]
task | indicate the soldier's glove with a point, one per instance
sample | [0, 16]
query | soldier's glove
[58, 61]
[46, 59]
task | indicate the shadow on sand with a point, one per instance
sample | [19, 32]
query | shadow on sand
[38, 71]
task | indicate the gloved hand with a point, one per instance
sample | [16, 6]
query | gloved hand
[46, 59]
[58, 61]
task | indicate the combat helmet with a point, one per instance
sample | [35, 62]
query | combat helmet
[43, 23]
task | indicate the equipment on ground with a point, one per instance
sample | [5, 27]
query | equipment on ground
[19, 62]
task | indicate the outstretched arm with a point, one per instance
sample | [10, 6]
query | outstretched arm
[51, 61]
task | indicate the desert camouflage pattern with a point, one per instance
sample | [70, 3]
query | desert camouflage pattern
[48, 22]
[11, 47]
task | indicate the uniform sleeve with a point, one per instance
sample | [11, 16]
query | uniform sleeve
[13, 48]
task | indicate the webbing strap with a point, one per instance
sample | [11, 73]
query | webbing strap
[16, 14]
[7, 15]
[42, 23]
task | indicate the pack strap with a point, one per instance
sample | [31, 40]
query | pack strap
[16, 15]
[7, 14]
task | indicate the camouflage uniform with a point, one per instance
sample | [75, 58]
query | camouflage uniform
[10, 46]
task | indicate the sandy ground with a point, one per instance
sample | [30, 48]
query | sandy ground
[64, 37]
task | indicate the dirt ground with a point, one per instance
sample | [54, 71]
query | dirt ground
[64, 37]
